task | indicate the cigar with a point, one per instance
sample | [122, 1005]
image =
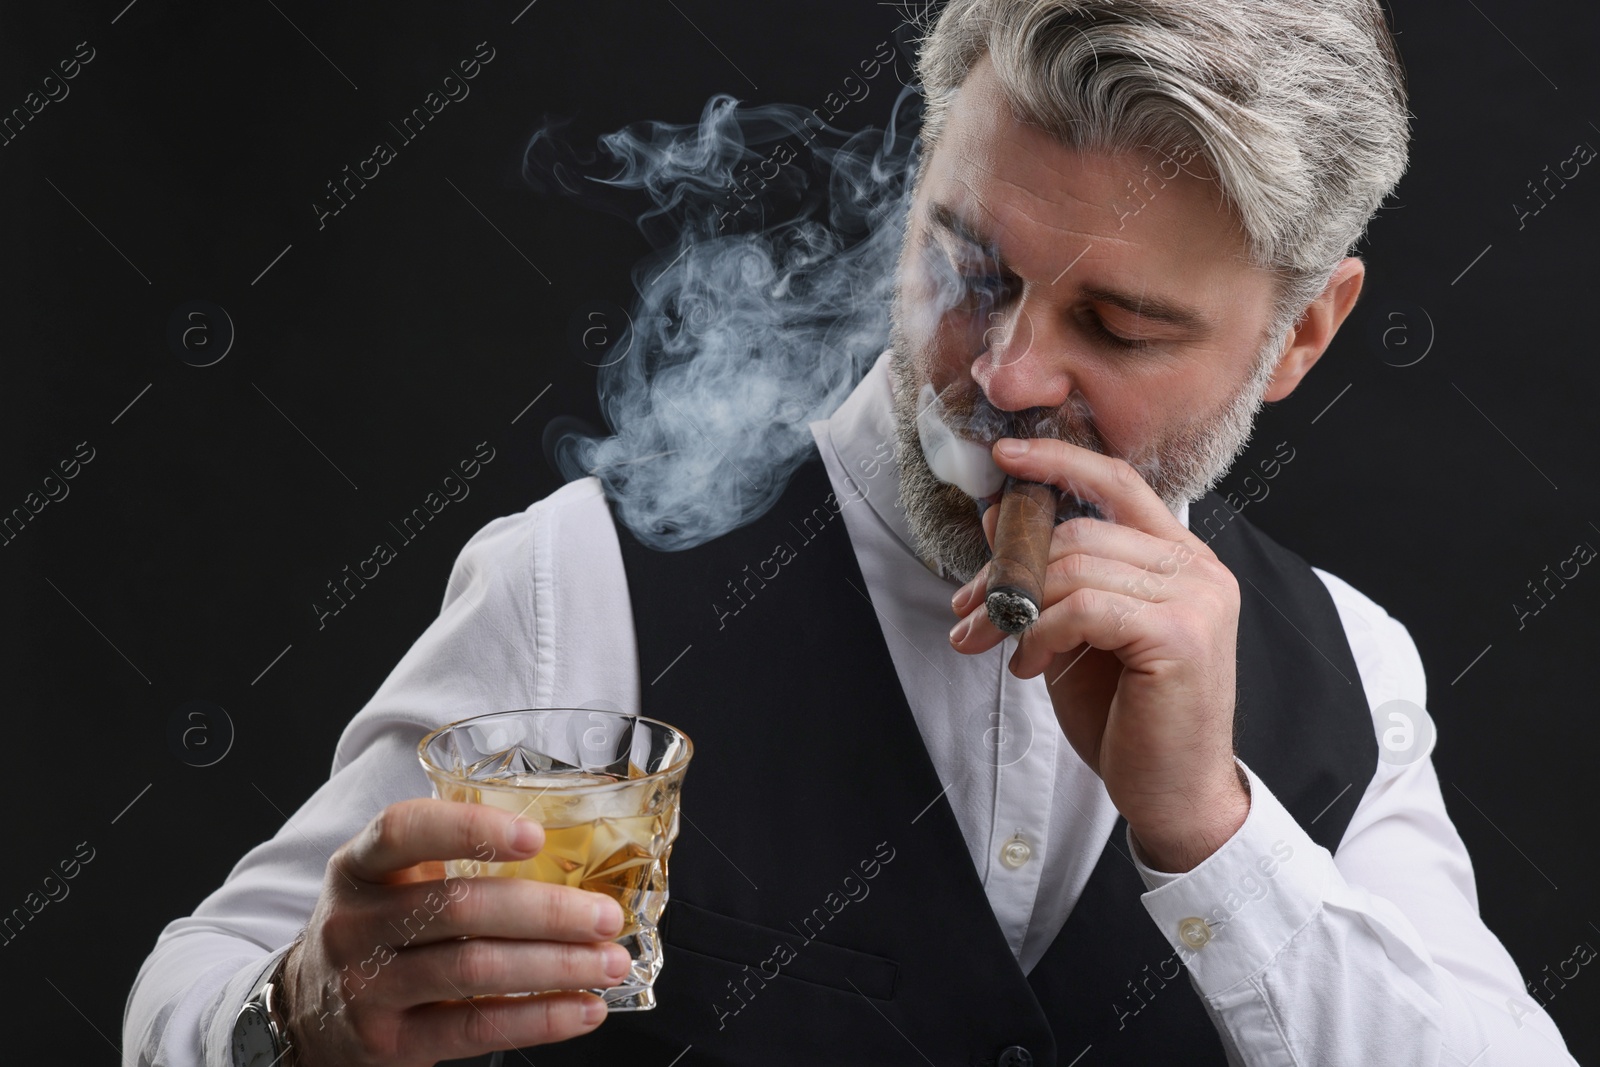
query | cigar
[1021, 553]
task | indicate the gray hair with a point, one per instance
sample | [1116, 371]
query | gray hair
[1298, 107]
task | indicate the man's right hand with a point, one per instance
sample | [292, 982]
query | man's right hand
[394, 948]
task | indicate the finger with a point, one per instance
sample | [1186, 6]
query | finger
[1096, 537]
[964, 598]
[462, 1029]
[1100, 538]
[1105, 620]
[975, 633]
[488, 965]
[415, 831]
[1109, 483]
[495, 906]
[1063, 577]
[1068, 574]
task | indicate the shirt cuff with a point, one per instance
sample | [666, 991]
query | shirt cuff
[1229, 916]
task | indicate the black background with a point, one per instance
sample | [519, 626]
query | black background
[420, 322]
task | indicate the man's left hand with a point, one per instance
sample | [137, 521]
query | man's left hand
[1136, 638]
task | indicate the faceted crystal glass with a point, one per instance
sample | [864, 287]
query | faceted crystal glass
[604, 784]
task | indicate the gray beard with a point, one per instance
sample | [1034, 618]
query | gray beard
[1181, 467]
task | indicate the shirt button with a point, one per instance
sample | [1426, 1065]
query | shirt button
[1194, 932]
[1016, 851]
[1016, 1056]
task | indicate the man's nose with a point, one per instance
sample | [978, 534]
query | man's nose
[1024, 360]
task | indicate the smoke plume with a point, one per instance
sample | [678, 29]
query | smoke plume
[766, 300]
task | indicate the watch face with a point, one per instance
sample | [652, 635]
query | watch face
[253, 1045]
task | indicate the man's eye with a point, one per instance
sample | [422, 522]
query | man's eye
[1097, 330]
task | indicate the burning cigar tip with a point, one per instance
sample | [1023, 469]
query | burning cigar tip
[1011, 611]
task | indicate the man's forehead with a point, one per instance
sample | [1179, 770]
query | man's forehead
[1002, 163]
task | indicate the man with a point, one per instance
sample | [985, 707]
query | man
[1129, 230]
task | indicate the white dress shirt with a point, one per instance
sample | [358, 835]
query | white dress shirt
[1373, 954]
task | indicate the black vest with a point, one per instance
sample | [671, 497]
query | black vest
[824, 907]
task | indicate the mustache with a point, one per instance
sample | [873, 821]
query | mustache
[968, 412]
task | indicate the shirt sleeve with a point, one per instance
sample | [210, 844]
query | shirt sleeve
[1374, 953]
[479, 654]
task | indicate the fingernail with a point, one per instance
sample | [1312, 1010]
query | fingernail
[594, 1010]
[607, 918]
[618, 962]
[958, 602]
[525, 835]
[958, 633]
[1013, 446]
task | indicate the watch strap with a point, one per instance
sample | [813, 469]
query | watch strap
[266, 994]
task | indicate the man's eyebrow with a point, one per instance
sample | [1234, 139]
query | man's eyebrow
[1165, 311]
[946, 218]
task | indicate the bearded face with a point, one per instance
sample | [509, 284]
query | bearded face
[1038, 298]
[1181, 466]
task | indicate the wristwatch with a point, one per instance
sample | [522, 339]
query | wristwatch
[260, 1032]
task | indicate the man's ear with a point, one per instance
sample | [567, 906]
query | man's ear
[1313, 333]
